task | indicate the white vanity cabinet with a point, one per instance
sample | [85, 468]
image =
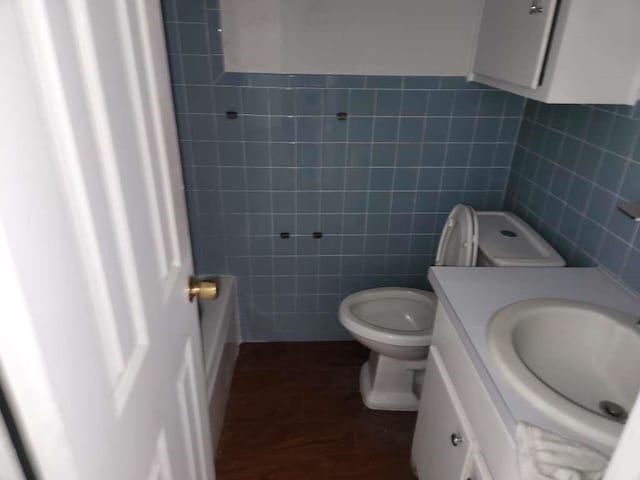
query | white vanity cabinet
[459, 433]
[560, 51]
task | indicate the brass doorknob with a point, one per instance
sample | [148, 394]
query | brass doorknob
[204, 289]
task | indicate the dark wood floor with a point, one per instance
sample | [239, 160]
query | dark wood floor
[295, 412]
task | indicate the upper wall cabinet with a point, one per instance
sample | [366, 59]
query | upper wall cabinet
[561, 51]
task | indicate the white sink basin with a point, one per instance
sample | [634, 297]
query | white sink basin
[567, 358]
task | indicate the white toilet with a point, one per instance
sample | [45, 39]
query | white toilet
[396, 323]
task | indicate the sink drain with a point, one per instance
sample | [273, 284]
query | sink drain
[613, 410]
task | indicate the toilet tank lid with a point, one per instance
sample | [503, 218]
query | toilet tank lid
[507, 241]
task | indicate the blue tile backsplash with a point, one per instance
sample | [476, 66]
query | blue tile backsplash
[572, 165]
[378, 184]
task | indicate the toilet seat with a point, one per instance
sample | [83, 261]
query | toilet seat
[458, 245]
[396, 316]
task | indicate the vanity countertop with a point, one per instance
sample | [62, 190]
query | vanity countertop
[471, 296]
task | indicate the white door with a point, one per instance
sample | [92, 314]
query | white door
[99, 347]
[513, 39]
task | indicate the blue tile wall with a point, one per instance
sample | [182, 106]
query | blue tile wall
[378, 185]
[572, 165]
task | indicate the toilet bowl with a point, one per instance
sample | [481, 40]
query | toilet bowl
[396, 323]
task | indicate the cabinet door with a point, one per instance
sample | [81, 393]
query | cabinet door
[479, 469]
[437, 453]
[513, 39]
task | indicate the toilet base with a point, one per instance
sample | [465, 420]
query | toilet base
[389, 384]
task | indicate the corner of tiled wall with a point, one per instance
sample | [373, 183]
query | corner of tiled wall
[378, 184]
[572, 165]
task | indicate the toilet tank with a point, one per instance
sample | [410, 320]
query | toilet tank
[505, 240]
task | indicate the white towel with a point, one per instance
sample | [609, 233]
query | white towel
[543, 455]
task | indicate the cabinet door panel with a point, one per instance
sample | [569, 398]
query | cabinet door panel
[512, 42]
[479, 469]
[440, 416]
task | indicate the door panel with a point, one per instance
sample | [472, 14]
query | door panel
[118, 342]
[512, 42]
[439, 418]
[161, 463]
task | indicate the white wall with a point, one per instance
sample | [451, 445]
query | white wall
[372, 37]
